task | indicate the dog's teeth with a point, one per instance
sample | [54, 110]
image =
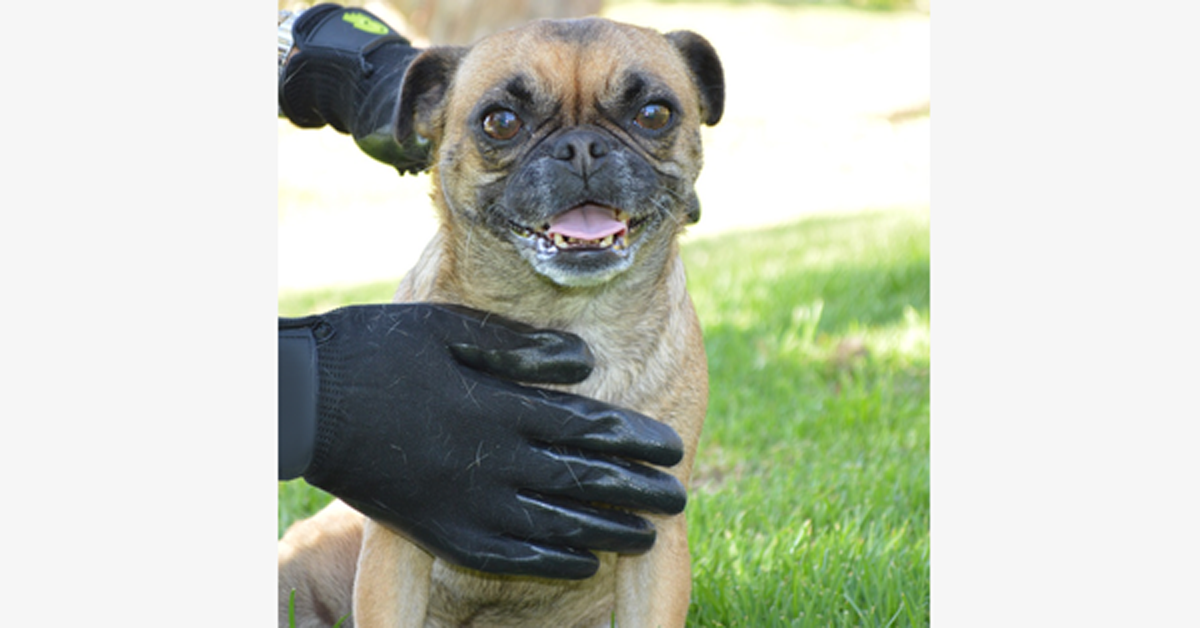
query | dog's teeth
[545, 247]
[561, 241]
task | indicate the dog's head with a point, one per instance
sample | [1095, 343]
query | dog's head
[572, 144]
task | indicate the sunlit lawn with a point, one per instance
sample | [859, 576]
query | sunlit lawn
[811, 501]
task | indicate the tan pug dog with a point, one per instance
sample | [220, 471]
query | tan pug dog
[565, 156]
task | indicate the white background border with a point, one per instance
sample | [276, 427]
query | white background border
[138, 263]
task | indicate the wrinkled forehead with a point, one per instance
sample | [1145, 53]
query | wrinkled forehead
[585, 61]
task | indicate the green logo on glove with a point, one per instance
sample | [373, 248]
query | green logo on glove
[364, 23]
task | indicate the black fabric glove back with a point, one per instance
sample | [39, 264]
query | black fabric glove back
[415, 432]
[346, 73]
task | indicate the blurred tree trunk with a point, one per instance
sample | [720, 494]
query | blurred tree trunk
[465, 21]
[453, 22]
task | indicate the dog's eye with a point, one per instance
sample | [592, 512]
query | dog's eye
[653, 117]
[501, 124]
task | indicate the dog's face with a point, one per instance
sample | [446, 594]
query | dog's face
[572, 144]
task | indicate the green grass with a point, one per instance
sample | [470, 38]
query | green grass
[810, 500]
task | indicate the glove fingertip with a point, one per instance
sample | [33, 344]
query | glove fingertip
[670, 452]
[574, 566]
[654, 441]
[675, 502]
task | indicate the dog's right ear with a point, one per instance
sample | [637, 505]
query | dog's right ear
[423, 93]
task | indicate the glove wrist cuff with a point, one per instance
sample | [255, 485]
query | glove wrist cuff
[342, 29]
[297, 400]
[321, 84]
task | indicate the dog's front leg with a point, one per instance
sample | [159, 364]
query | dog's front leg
[653, 589]
[391, 587]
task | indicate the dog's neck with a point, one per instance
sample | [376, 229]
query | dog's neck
[459, 269]
[636, 317]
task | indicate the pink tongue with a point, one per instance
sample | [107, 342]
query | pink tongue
[587, 222]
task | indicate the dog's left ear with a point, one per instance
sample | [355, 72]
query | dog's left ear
[702, 60]
[423, 93]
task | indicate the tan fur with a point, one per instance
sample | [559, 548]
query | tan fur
[317, 558]
[640, 325]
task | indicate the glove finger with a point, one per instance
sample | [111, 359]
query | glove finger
[550, 358]
[515, 351]
[557, 521]
[604, 429]
[611, 481]
[472, 547]
[516, 557]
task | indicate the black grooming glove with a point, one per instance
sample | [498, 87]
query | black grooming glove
[346, 73]
[415, 431]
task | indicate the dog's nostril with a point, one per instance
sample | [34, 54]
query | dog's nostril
[565, 151]
[580, 146]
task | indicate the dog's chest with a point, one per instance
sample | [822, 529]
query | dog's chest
[461, 598]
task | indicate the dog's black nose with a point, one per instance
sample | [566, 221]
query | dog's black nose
[582, 149]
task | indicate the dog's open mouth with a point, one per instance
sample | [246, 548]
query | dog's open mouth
[587, 227]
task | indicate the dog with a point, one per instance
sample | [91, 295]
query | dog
[564, 158]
